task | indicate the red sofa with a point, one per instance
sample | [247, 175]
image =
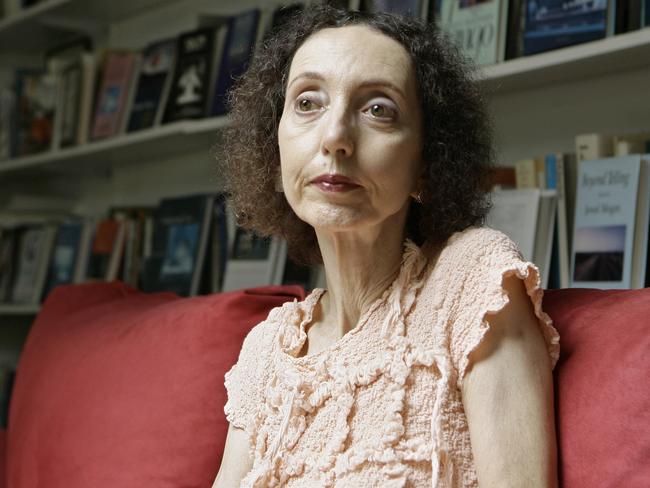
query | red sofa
[116, 388]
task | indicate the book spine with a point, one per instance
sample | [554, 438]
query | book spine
[525, 174]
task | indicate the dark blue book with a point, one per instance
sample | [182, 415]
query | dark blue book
[237, 51]
[552, 24]
[646, 13]
[180, 239]
[153, 85]
[407, 8]
[64, 256]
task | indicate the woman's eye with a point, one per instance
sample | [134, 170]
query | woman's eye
[381, 111]
[306, 105]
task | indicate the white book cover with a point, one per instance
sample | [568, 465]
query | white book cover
[252, 261]
[514, 212]
[35, 248]
[603, 233]
[475, 27]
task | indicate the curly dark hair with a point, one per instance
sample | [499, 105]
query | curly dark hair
[457, 133]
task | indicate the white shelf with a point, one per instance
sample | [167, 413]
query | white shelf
[18, 309]
[623, 52]
[97, 157]
[46, 24]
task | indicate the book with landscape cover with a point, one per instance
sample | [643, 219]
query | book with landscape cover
[604, 225]
[153, 85]
[237, 51]
[180, 241]
[552, 24]
[478, 27]
[193, 77]
[112, 97]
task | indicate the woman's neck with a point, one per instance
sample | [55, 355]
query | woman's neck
[358, 269]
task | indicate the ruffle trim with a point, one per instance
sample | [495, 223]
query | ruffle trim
[498, 299]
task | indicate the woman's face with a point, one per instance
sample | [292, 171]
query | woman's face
[350, 133]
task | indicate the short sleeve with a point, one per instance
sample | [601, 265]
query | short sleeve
[245, 380]
[484, 258]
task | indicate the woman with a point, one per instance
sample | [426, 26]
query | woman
[427, 361]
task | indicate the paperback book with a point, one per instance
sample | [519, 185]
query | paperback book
[604, 228]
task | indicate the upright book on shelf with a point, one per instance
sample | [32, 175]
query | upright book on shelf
[153, 85]
[198, 56]
[640, 261]
[34, 249]
[65, 255]
[180, 242]
[477, 27]
[604, 227]
[238, 48]
[112, 98]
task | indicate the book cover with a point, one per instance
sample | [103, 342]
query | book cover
[153, 85]
[238, 48]
[603, 233]
[34, 249]
[107, 246]
[252, 261]
[64, 256]
[478, 27]
[86, 97]
[407, 8]
[36, 102]
[112, 97]
[179, 246]
[191, 82]
[552, 24]
[640, 277]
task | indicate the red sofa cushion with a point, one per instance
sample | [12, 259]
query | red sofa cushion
[602, 386]
[116, 388]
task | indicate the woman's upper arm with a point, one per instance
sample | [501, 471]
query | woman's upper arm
[508, 399]
[236, 461]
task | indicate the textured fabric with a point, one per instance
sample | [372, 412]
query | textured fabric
[116, 388]
[602, 385]
[382, 405]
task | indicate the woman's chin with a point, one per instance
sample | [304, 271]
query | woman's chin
[333, 218]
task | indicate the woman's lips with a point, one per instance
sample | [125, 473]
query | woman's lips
[335, 183]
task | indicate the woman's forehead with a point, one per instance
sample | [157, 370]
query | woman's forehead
[354, 52]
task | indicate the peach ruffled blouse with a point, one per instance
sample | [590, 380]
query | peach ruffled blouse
[382, 405]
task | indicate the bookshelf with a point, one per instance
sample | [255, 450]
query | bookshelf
[539, 103]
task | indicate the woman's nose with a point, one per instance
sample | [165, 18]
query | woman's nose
[338, 134]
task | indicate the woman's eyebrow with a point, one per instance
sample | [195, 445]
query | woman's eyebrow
[313, 75]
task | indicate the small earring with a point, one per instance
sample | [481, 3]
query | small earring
[418, 197]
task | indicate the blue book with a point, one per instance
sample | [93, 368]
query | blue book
[65, 255]
[238, 48]
[552, 24]
[550, 171]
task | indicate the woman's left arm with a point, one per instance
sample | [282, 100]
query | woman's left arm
[508, 399]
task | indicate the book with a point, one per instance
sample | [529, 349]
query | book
[135, 222]
[407, 8]
[527, 216]
[625, 144]
[219, 244]
[514, 47]
[7, 115]
[525, 174]
[238, 47]
[640, 277]
[106, 251]
[154, 83]
[112, 98]
[34, 248]
[604, 225]
[86, 97]
[180, 243]
[478, 27]
[65, 255]
[8, 245]
[36, 103]
[252, 261]
[593, 146]
[550, 24]
[198, 53]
